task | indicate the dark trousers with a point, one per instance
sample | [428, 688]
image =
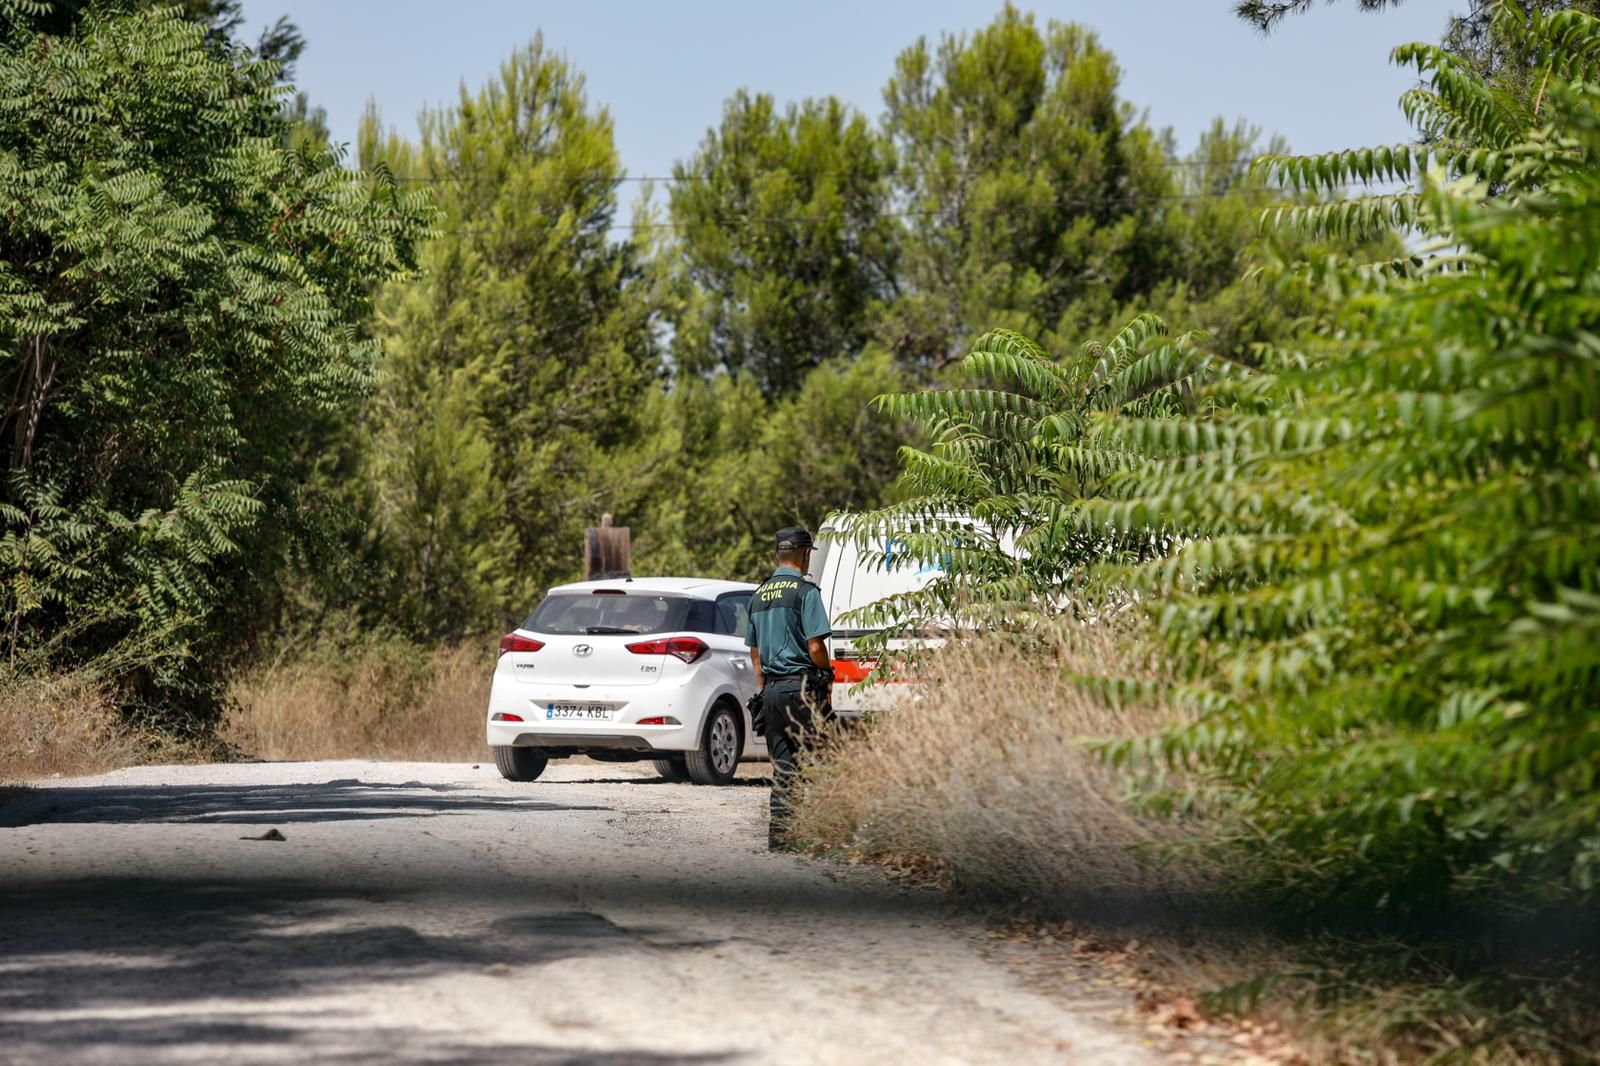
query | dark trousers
[795, 708]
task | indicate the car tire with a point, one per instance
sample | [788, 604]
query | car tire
[671, 769]
[519, 764]
[721, 743]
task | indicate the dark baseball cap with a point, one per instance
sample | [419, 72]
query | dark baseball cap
[793, 537]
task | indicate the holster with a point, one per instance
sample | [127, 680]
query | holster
[817, 687]
[809, 692]
[756, 705]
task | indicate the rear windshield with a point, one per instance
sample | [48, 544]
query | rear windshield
[596, 614]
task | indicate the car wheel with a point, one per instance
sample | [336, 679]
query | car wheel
[717, 757]
[519, 764]
[672, 769]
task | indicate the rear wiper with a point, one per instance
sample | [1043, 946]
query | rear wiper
[608, 631]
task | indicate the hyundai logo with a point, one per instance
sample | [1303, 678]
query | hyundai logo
[582, 649]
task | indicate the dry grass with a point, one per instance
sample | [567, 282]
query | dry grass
[379, 699]
[68, 724]
[987, 778]
[987, 785]
[383, 699]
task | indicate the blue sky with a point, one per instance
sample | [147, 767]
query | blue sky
[664, 69]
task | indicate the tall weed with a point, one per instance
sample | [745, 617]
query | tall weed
[989, 778]
[372, 698]
[69, 723]
[987, 774]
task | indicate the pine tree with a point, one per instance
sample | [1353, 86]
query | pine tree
[1033, 193]
[782, 243]
[519, 361]
[721, 466]
[1265, 15]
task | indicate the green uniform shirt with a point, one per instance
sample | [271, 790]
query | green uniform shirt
[785, 612]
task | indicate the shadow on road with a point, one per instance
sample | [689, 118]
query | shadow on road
[328, 801]
[158, 1041]
[208, 966]
[738, 782]
[87, 962]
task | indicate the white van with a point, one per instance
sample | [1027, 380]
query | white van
[851, 577]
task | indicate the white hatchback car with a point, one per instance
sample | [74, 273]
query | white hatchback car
[625, 670]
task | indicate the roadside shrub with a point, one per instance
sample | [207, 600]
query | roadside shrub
[69, 724]
[377, 697]
[988, 777]
[1373, 558]
[181, 299]
[1387, 610]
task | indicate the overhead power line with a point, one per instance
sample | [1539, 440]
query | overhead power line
[737, 221]
[618, 179]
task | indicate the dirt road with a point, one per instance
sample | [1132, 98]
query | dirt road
[423, 913]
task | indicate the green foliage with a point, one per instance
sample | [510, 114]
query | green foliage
[1012, 439]
[1498, 56]
[1218, 253]
[1033, 194]
[782, 242]
[240, 443]
[280, 42]
[1265, 15]
[992, 497]
[1379, 575]
[1475, 36]
[521, 398]
[782, 279]
[1390, 608]
[720, 467]
[179, 305]
[518, 364]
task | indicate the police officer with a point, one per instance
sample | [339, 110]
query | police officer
[788, 640]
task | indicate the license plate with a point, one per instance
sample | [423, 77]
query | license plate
[588, 712]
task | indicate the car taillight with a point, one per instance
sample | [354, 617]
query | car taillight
[686, 648]
[502, 716]
[518, 642]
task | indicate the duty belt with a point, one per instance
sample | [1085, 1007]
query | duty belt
[819, 674]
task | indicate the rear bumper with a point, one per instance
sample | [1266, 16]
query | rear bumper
[622, 733]
[584, 743]
[577, 739]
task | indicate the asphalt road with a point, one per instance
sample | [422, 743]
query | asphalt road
[431, 913]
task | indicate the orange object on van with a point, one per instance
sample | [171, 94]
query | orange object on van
[851, 671]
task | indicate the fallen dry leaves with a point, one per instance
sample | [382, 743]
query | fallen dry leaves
[1174, 1020]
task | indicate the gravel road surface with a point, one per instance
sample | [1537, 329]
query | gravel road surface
[434, 913]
